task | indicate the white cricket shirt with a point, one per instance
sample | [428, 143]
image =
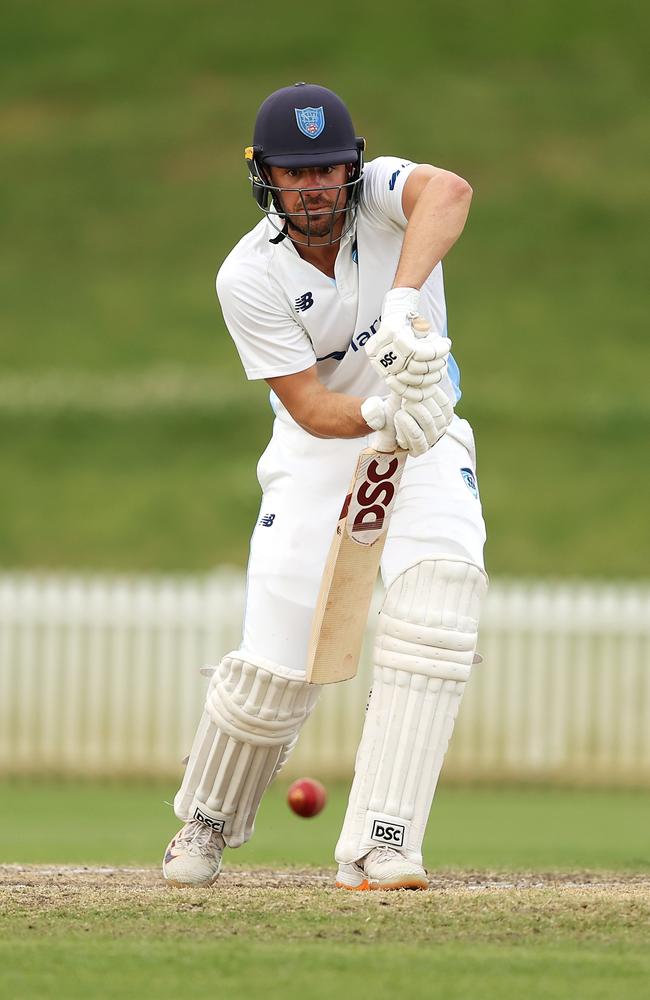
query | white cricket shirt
[285, 315]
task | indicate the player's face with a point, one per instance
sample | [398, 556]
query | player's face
[315, 190]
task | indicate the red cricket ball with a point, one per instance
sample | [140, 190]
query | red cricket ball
[306, 797]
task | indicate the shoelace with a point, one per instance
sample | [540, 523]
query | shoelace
[197, 835]
[383, 853]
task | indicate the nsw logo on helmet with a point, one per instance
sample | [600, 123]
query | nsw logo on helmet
[310, 121]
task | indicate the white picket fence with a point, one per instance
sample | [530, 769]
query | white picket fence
[100, 676]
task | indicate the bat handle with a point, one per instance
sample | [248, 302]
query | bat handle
[421, 326]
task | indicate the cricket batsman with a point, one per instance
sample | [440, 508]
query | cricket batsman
[320, 299]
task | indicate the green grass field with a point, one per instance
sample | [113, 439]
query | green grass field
[534, 893]
[121, 934]
[506, 828]
[128, 434]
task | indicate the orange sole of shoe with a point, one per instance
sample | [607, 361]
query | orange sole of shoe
[367, 886]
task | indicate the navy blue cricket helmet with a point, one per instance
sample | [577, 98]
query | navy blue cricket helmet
[304, 125]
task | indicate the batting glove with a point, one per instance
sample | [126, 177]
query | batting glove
[403, 352]
[414, 426]
[379, 413]
[414, 387]
[418, 426]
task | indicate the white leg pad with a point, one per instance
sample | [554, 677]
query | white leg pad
[424, 651]
[253, 714]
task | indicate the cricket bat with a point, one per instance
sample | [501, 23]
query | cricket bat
[351, 569]
[350, 572]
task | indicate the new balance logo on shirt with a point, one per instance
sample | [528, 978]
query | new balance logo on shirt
[304, 302]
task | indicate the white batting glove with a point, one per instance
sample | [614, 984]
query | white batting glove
[418, 426]
[373, 411]
[399, 304]
[414, 426]
[402, 351]
[393, 351]
[417, 387]
[379, 412]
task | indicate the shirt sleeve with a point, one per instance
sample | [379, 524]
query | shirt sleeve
[383, 184]
[269, 341]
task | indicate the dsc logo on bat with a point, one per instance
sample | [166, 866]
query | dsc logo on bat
[372, 497]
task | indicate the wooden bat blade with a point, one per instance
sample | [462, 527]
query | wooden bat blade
[351, 569]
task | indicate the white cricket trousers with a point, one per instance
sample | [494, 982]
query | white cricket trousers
[304, 480]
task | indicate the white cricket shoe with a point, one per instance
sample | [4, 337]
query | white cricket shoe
[194, 856]
[382, 868]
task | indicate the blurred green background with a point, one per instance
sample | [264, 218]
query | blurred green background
[128, 433]
[515, 828]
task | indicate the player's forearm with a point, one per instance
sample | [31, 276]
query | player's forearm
[318, 410]
[437, 220]
[332, 415]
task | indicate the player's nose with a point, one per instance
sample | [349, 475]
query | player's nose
[316, 179]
